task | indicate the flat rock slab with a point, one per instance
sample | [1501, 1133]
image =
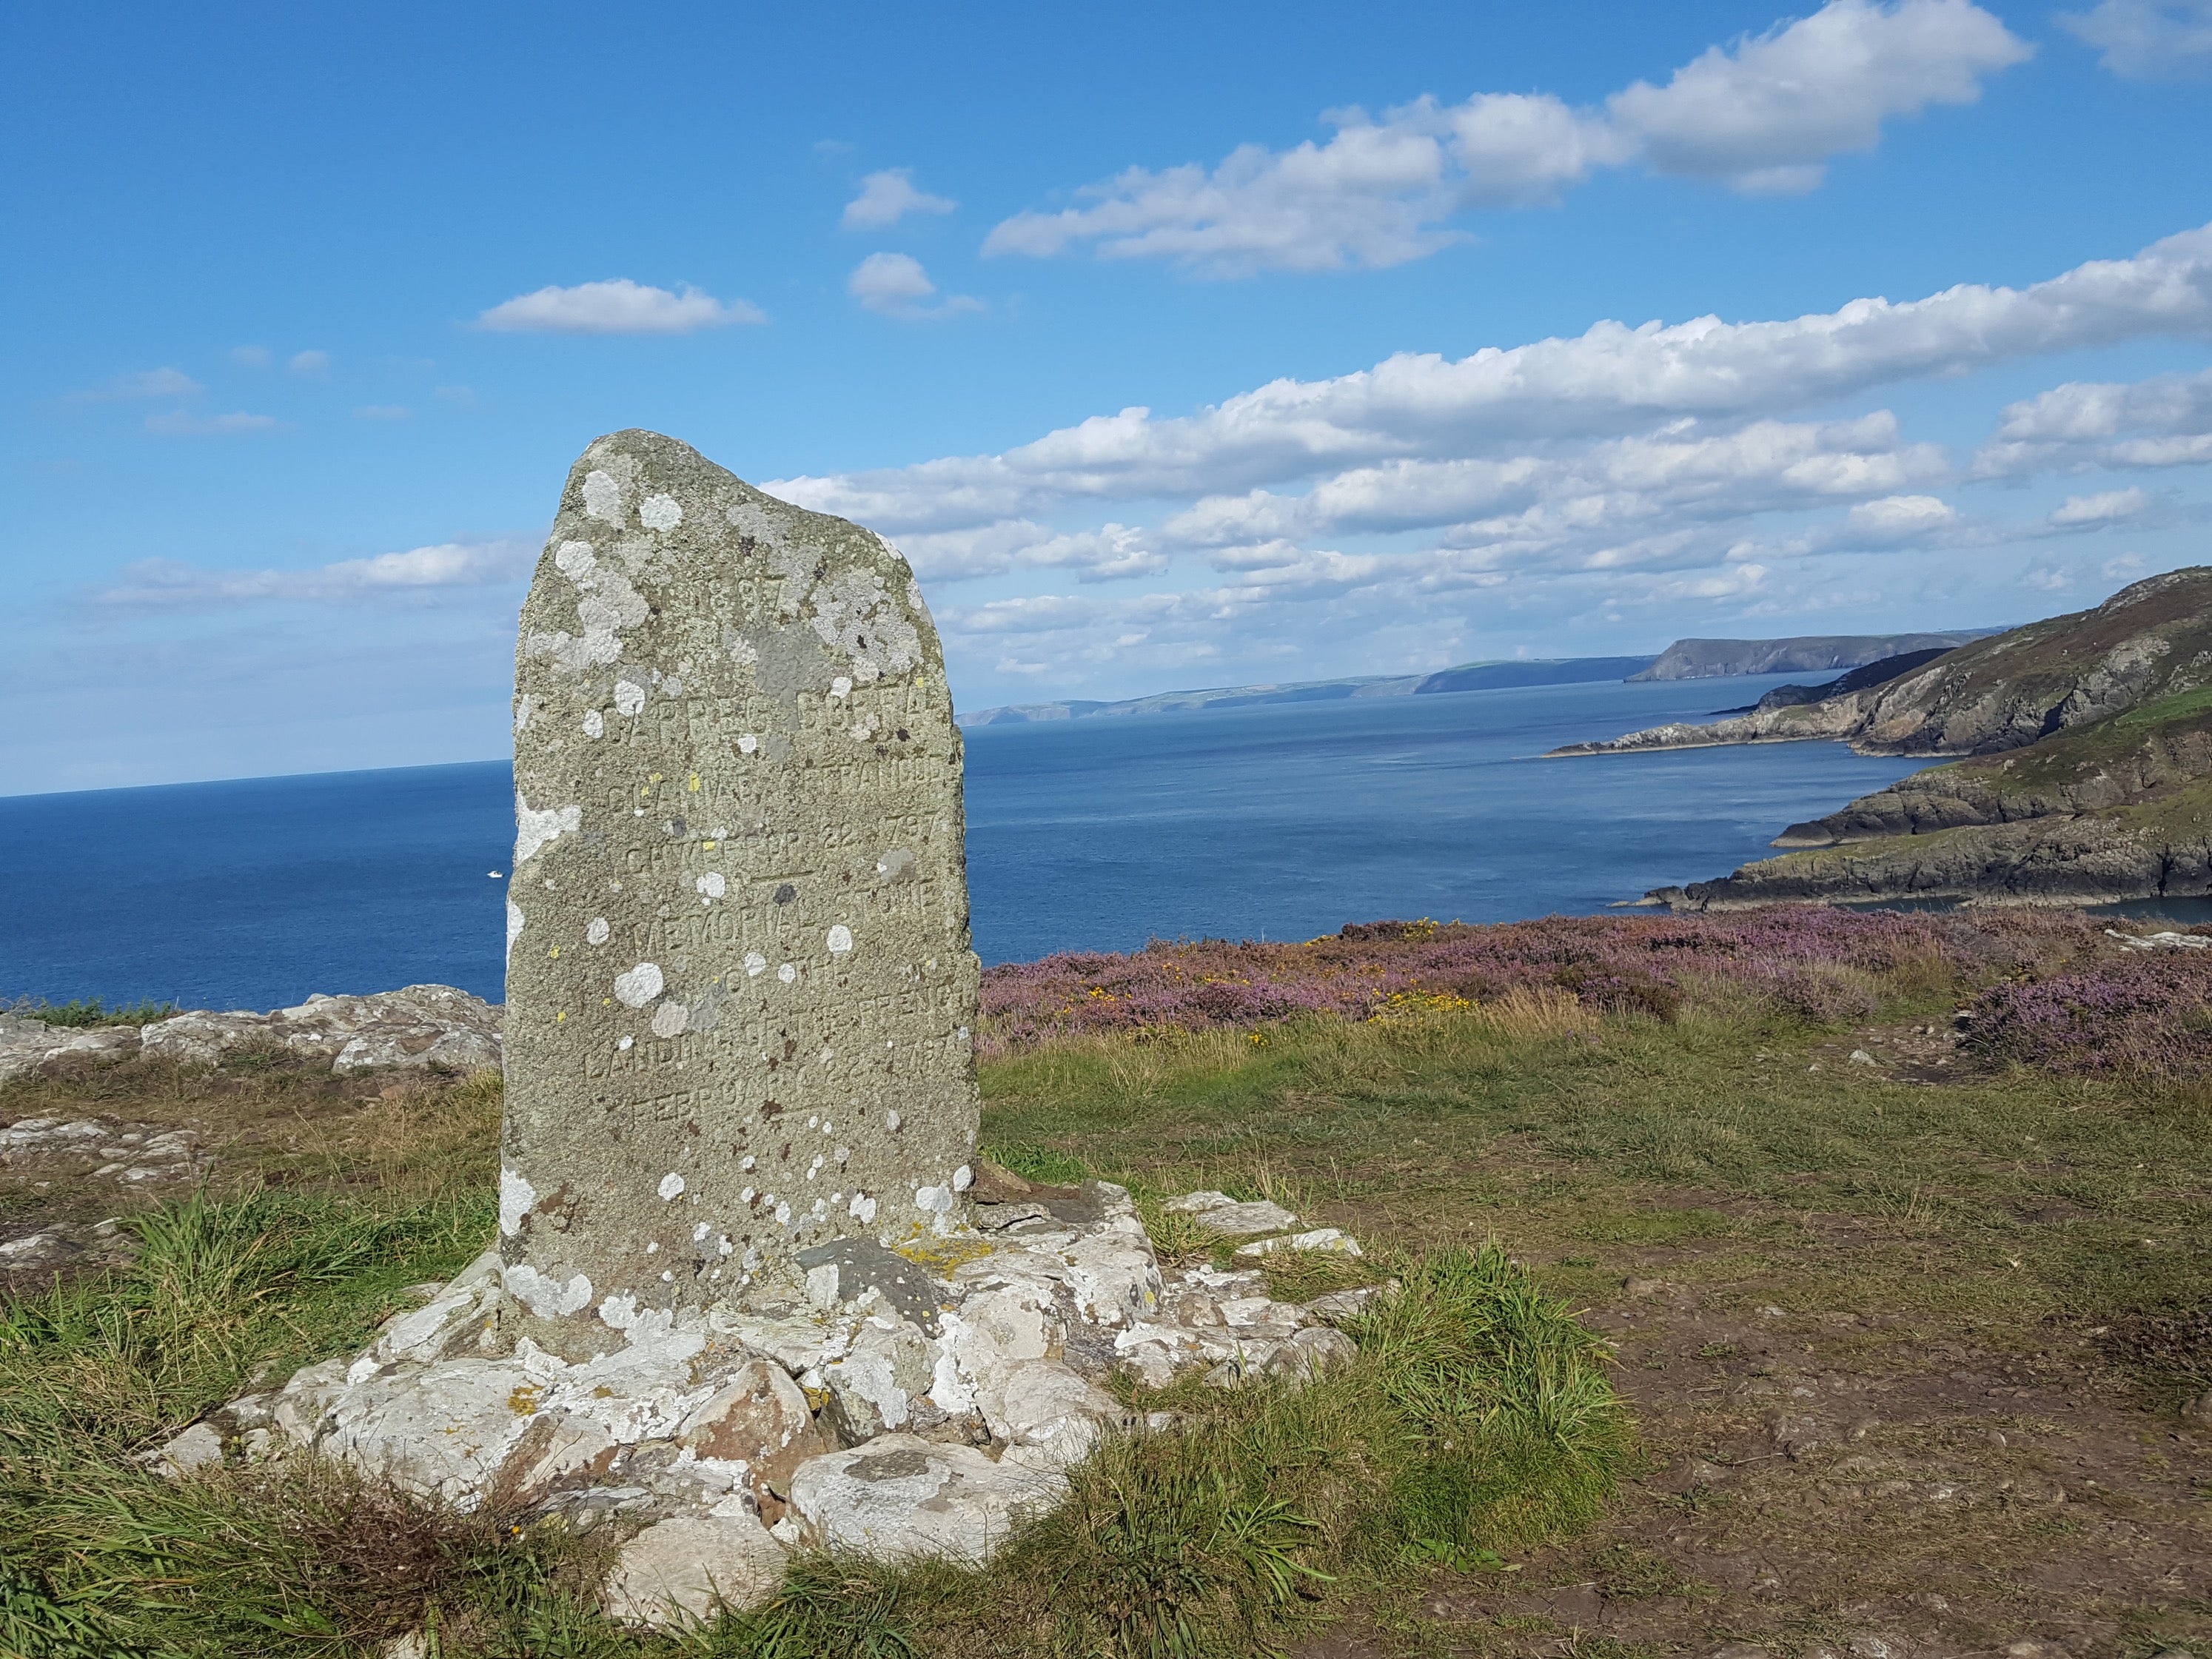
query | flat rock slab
[899, 1498]
[680, 1573]
[1223, 1214]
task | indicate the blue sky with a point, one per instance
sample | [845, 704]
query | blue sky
[1177, 346]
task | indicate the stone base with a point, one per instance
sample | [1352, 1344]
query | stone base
[916, 1404]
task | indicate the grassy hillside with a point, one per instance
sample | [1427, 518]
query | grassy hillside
[1913, 1343]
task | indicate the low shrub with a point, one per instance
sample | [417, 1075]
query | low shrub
[2146, 1013]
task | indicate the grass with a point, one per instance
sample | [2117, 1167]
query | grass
[1504, 1163]
[85, 1011]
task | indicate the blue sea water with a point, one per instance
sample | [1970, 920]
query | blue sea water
[1281, 822]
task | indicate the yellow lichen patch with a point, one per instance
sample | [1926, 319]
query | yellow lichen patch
[692, 783]
[524, 1399]
[941, 1255]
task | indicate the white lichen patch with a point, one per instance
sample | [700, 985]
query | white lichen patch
[712, 884]
[639, 986]
[547, 1297]
[660, 513]
[516, 1195]
[670, 1019]
[603, 496]
[854, 614]
[525, 707]
[595, 723]
[514, 926]
[535, 828]
[748, 744]
[786, 972]
[672, 1186]
[841, 939]
[595, 932]
[630, 698]
[756, 964]
[606, 604]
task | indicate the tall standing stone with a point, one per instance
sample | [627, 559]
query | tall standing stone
[740, 990]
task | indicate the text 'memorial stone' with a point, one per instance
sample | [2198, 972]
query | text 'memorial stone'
[740, 991]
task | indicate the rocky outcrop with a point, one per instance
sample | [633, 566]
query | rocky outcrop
[2149, 640]
[1698, 660]
[921, 1404]
[420, 1027]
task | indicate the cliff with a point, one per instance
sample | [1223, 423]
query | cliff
[2088, 775]
[1815, 653]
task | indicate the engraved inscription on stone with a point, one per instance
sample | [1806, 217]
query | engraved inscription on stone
[740, 993]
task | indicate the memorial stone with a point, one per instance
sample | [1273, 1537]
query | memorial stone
[740, 990]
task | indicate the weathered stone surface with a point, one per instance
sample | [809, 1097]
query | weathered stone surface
[418, 1026]
[678, 1572]
[760, 1419]
[1223, 1214]
[899, 1497]
[740, 989]
[1041, 1403]
[1320, 1238]
[1310, 1352]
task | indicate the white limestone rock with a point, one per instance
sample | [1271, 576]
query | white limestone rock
[678, 1573]
[1312, 1352]
[1220, 1213]
[197, 1447]
[1320, 1238]
[902, 1498]
[1041, 1403]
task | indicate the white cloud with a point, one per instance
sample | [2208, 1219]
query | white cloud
[1652, 472]
[619, 306]
[384, 412]
[140, 383]
[250, 356]
[178, 423]
[1611, 381]
[2126, 568]
[308, 362]
[168, 585]
[2148, 39]
[1767, 114]
[895, 285]
[1764, 114]
[1106, 553]
[888, 197]
[2166, 421]
[2107, 507]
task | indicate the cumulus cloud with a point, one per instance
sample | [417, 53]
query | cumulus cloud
[895, 285]
[1764, 115]
[181, 423]
[169, 585]
[2106, 506]
[1624, 467]
[140, 383]
[1611, 381]
[888, 197]
[2147, 40]
[1106, 553]
[2164, 421]
[618, 306]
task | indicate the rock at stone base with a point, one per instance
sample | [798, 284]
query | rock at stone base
[759, 1418]
[1223, 1214]
[874, 1385]
[554, 1451]
[1321, 1238]
[1042, 1404]
[199, 1444]
[680, 1573]
[1340, 1305]
[1310, 1353]
[901, 1497]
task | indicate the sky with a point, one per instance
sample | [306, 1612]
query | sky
[1175, 346]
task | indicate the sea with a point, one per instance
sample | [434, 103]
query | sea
[1281, 821]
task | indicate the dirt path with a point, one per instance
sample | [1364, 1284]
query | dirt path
[1873, 1489]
